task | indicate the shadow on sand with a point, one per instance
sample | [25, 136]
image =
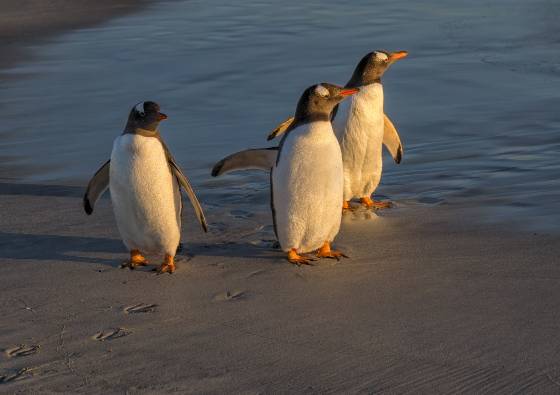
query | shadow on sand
[231, 250]
[41, 190]
[58, 248]
[38, 247]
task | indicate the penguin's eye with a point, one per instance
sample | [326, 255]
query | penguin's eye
[322, 91]
[382, 57]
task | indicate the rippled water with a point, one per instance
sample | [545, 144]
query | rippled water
[477, 102]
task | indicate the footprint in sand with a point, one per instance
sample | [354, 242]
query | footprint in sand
[140, 308]
[300, 276]
[21, 351]
[111, 334]
[18, 375]
[256, 273]
[230, 296]
[265, 243]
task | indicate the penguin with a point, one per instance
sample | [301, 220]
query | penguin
[306, 176]
[362, 128]
[144, 180]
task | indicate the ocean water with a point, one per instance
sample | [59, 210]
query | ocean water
[477, 102]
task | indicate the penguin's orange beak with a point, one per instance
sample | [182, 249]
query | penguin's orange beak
[348, 92]
[398, 55]
[161, 116]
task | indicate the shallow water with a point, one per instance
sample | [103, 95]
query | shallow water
[476, 102]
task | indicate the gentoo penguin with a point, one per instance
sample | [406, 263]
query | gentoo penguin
[362, 128]
[306, 176]
[144, 181]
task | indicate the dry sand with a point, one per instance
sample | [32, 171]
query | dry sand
[426, 304]
[430, 302]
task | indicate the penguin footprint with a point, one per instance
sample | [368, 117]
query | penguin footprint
[18, 375]
[256, 273]
[111, 334]
[140, 308]
[21, 351]
[230, 295]
[264, 243]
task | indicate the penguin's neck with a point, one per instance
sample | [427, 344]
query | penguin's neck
[306, 118]
[318, 131]
[370, 97]
[357, 81]
[143, 132]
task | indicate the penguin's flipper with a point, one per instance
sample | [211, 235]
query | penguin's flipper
[185, 183]
[391, 140]
[96, 186]
[281, 129]
[259, 158]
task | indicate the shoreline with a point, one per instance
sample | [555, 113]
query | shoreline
[23, 23]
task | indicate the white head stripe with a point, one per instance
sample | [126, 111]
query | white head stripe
[381, 55]
[321, 91]
[140, 108]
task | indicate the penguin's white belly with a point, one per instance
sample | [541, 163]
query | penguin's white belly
[145, 196]
[307, 188]
[359, 126]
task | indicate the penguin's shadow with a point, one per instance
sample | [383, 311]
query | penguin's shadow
[59, 248]
[38, 247]
[41, 247]
[230, 250]
[40, 190]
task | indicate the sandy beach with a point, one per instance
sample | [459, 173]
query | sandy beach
[426, 304]
[433, 300]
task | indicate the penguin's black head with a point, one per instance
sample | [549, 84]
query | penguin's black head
[318, 101]
[145, 115]
[372, 66]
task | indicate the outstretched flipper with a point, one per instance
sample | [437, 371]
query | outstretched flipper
[184, 182]
[96, 186]
[281, 129]
[392, 141]
[259, 158]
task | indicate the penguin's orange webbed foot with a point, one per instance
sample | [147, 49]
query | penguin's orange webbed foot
[168, 265]
[136, 259]
[326, 252]
[346, 206]
[376, 204]
[296, 259]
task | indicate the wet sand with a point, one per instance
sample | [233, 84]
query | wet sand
[426, 304]
[31, 21]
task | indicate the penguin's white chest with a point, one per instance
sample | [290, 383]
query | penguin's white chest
[359, 126]
[307, 188]
[145, 196]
